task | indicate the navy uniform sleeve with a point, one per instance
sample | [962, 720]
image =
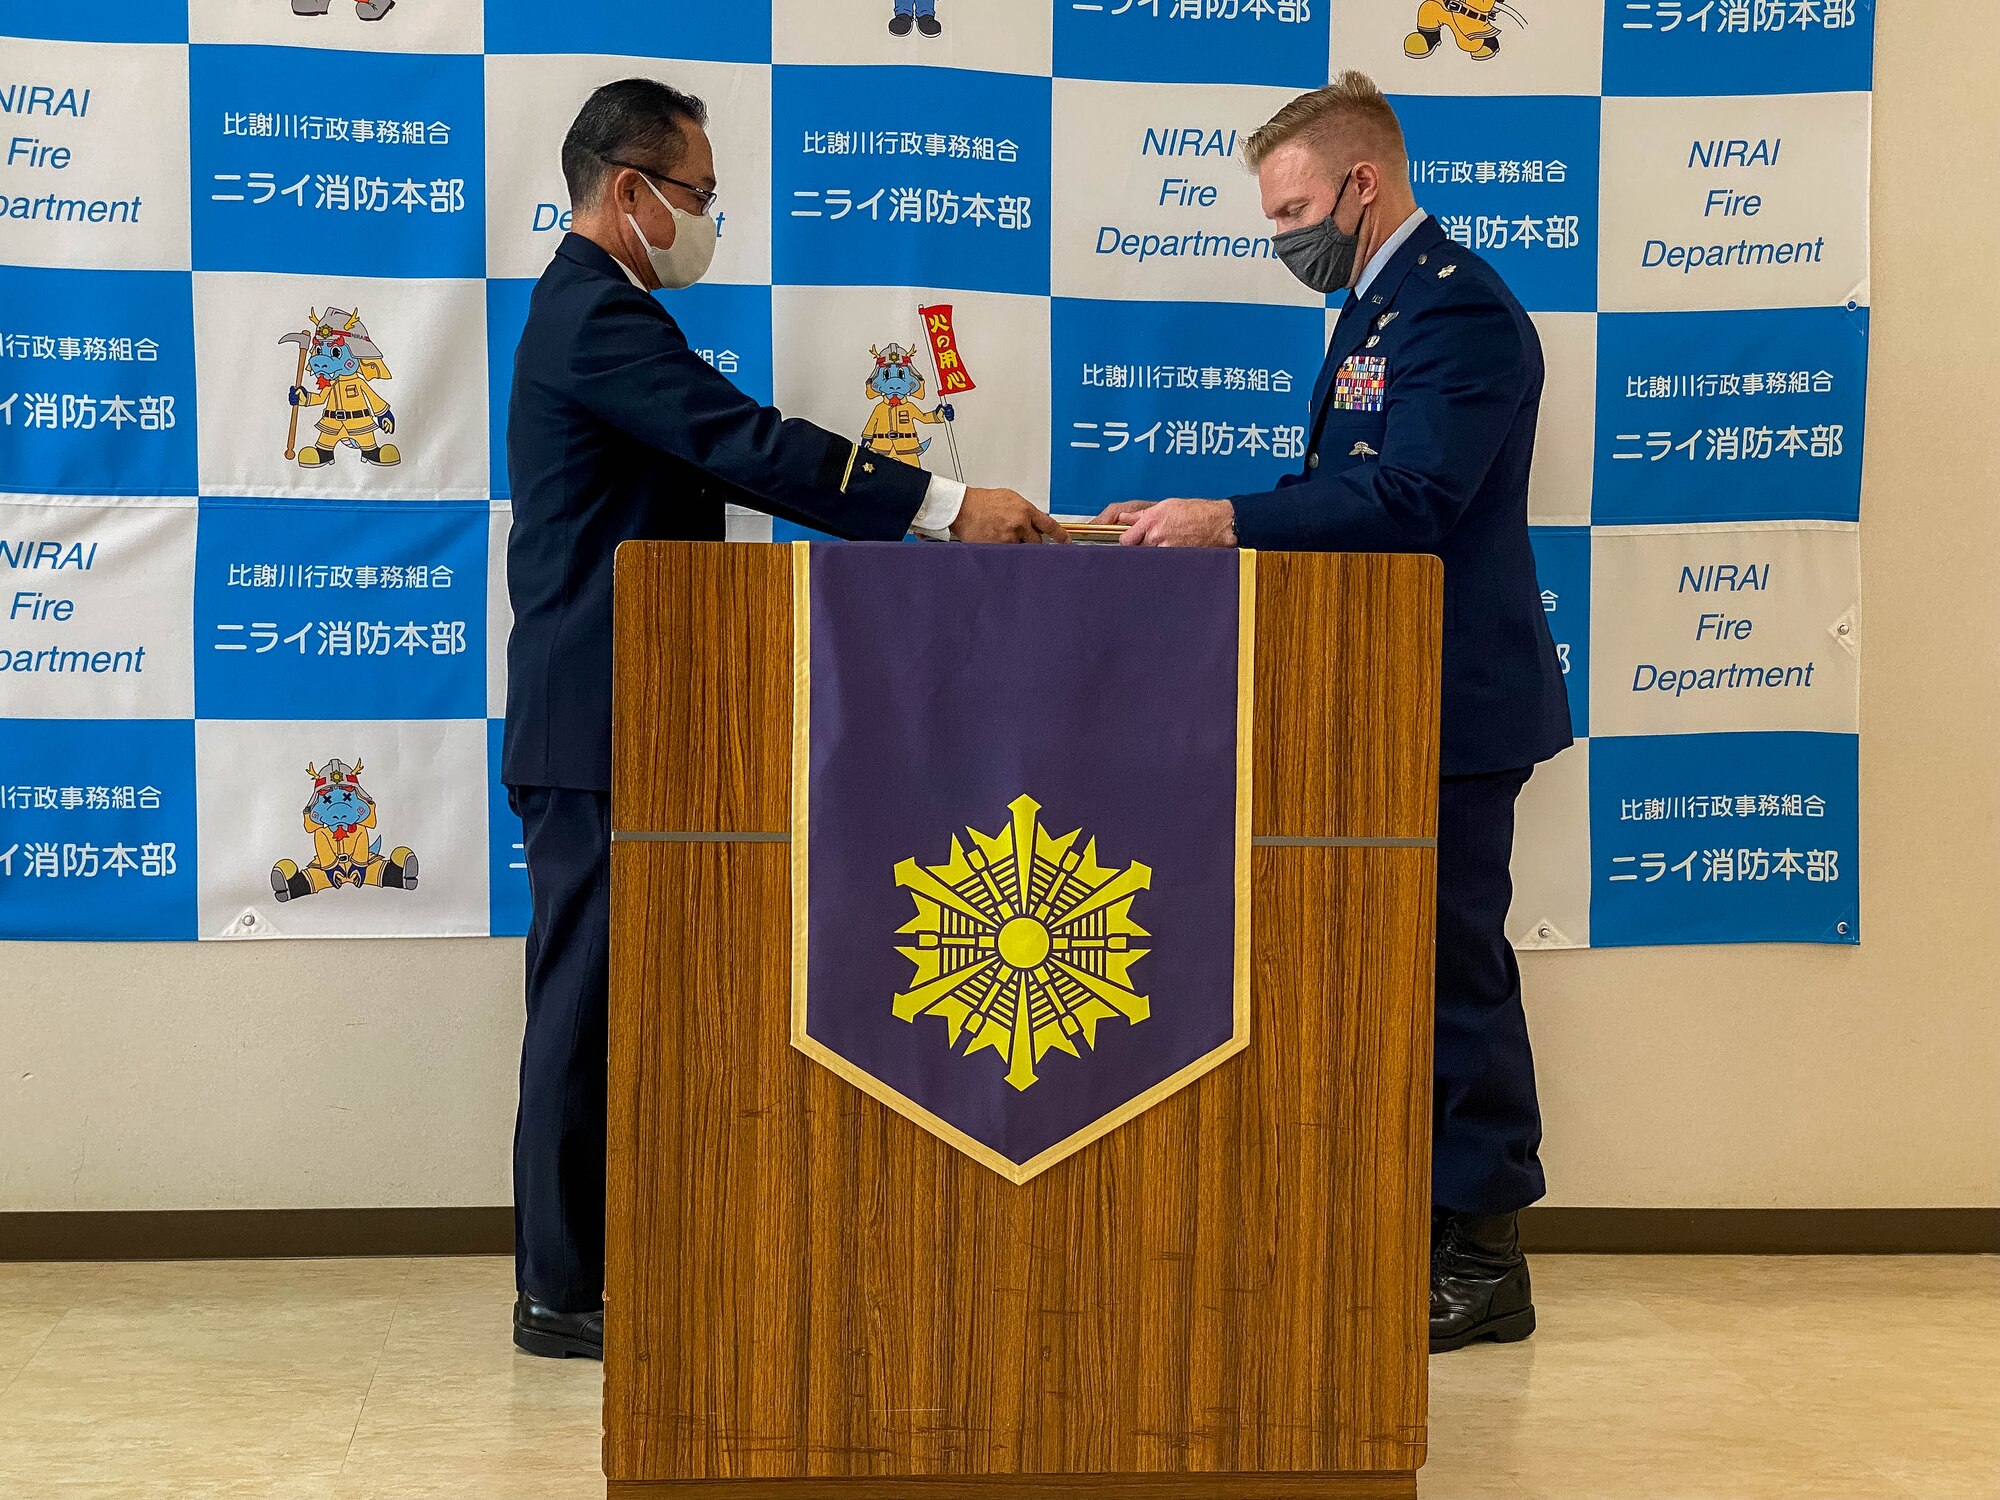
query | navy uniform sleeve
[630, 366]
[1447, 413]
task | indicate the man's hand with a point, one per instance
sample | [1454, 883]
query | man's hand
[1184, 523]
[1123, 513]
[1003, 516]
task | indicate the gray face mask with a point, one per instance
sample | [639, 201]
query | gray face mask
[1320, 255]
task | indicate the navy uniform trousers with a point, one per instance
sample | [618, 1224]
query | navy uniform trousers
[1486, 1127]
[559, 1133]
[617, 431]
[1422, 435]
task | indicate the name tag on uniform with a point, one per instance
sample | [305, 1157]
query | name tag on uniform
[1358, 383]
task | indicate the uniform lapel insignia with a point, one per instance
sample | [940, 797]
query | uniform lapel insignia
[1447, 270]
[868, 468]
[1373, 340]
[1362, 450]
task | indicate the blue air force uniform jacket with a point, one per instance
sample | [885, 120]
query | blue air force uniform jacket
[1421, 430]
[617, 430]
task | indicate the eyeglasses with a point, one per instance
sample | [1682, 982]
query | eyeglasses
[705, 196]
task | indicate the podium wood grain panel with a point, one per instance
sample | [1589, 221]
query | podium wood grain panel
[809, 1296]
[1038, 1487]
[702, 703]
[1347, 711]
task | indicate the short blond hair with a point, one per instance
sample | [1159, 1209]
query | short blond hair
[1344, 122]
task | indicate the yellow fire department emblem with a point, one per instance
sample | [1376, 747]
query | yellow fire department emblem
[1022, 942]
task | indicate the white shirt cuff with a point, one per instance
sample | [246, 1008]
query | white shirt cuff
[940, 508]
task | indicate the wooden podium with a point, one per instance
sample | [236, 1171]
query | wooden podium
[808, 1296]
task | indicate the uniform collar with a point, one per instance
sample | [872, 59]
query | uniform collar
[1388, 248]
[587, 252]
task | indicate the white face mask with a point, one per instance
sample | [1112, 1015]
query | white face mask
[686, 260]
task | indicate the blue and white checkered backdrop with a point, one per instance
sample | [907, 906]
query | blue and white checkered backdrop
[197, 622]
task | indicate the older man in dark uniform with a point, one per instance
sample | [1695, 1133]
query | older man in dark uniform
[617, 430]
[1421, 431]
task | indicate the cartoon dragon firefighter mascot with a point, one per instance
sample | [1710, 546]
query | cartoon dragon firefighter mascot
[339, 815]
[337, 363]
[897, 384]
[1470, 23]
[367, 10]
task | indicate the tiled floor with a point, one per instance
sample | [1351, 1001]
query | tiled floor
[1654, 1379]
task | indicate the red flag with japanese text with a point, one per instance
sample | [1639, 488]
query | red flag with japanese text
[952, 375]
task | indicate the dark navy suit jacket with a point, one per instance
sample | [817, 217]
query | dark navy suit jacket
[1439, 465]
[617, 430]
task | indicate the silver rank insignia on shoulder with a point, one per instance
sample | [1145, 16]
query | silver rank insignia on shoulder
[1386, 319]
[1447, 270]
[1362, 450]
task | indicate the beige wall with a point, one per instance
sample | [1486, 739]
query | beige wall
[325, 1074]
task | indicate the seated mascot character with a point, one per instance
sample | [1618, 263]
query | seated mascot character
[339, 815]
[897, 384]
[1470, 23]
[367, 10]
[340, 362]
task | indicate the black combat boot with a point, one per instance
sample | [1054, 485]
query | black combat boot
[1479, 1281]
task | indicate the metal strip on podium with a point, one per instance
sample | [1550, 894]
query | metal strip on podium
[1317, 841]
[638, 836]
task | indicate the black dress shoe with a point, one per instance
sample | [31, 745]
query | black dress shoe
[557, 1335]
[1479, 1281]
[900, 25]
[929, 25]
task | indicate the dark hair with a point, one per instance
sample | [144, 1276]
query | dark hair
[639, 119]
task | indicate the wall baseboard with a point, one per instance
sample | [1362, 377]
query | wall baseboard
[1761, 1231]
[254, 1234]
